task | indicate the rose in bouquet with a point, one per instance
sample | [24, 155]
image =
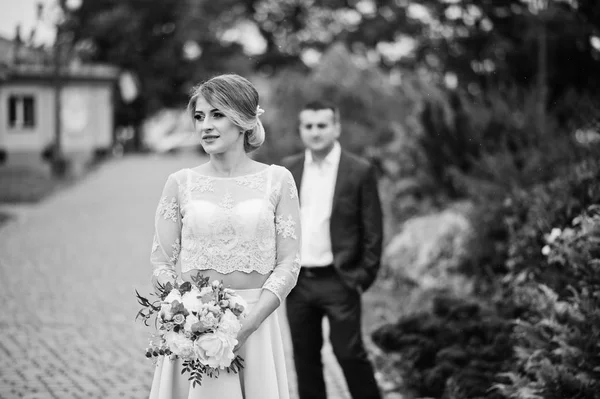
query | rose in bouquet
[197, 322]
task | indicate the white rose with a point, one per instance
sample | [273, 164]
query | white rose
[229, 324]
[180, 345]
[168, 326]
[191, 301]
[215, 350]
[208, 320]
[179, 319]
[174, 295]
[213, 308]
[206, 293]
[190, 320]
[165, 312]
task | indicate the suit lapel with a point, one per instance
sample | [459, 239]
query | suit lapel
[297, 168]
[340, 180]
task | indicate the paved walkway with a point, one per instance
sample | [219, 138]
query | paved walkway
[68, 271]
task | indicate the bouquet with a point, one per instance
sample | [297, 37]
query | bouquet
[198, 322]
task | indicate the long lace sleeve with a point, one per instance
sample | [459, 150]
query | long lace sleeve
[167, 233]
[287, 230]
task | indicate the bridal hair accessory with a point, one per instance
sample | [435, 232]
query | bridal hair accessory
[259, 111]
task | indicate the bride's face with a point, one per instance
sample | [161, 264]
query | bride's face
[218, 133]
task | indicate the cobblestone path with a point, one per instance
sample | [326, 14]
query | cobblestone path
[69, 268]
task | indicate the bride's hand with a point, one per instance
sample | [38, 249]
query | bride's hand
[246, 330]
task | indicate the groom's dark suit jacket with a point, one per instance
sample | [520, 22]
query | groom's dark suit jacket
[356, 219]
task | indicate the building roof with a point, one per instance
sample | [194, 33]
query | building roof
[74, 71]
[6, 51]
[19, 61]
[12, 51]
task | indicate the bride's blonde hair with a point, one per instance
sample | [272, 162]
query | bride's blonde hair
[237, 98]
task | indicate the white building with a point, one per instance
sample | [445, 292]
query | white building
[36, 109]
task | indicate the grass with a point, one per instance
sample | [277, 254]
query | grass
[22, 184]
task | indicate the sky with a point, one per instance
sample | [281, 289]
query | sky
[14, 12]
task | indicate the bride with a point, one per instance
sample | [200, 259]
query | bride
[236, 220]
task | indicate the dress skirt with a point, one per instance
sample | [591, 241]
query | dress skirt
[264, 374]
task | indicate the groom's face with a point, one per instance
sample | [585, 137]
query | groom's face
[319, 129]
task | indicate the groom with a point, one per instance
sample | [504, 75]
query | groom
[341, 248]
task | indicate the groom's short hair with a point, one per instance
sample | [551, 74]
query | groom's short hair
[318, 105]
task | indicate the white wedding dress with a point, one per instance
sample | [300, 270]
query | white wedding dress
[241, 224]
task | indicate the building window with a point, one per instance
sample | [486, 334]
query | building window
[21, 111]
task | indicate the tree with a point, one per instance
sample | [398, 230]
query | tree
[148, 38]
[483, 43]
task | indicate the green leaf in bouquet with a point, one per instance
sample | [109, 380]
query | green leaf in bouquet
[177, 307]
[212, 372]
[145, 302]
[149, 308]
[237, 311]
[236, 365]
[185, 287]
[163, 290]
[200, 281]
[144, 316]
[197, 379]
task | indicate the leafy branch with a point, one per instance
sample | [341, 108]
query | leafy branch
[195, 369]
[200, 281]
[149, 308]
[236, 365]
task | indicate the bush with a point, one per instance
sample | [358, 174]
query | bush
[510, 230]
[529, 215]
[459, 347]
[486, 146]
[534, 256]
[524, 182]
[557, 340]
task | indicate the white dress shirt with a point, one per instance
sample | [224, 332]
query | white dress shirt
[316, 201]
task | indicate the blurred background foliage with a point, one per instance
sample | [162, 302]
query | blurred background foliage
[171, 45]
[483, 120]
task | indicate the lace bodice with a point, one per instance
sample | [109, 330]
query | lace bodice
[248, 223]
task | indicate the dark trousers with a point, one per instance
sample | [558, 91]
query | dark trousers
[318, 294]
